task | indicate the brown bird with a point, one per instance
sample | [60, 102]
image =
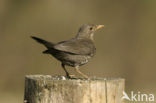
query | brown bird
[73, 52]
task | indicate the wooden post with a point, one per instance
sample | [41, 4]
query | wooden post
[58, 89]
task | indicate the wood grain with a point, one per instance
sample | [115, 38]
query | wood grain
[58, 89]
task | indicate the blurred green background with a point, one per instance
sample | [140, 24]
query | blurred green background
[126, 47]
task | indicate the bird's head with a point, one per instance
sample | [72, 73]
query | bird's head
[87, 30]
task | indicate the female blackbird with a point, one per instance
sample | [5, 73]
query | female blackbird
[73, 52]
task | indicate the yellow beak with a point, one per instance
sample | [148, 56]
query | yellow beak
[99, 27]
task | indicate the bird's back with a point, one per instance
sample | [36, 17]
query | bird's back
[76, 46]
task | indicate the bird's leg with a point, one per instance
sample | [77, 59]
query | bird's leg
[67, 74]
[77, 70]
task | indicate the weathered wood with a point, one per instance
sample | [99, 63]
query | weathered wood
[58, 89]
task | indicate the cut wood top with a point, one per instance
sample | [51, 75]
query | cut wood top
[63, 78]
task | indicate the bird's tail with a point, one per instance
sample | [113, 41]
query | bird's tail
[44, 42]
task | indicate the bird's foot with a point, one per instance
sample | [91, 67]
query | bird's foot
[71, 76]
[85, 76]
[82, 74]
[75, 77]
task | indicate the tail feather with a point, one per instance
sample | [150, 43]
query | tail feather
[46, 51]
[44, 42]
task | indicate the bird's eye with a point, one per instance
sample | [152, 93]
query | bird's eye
[90, 28]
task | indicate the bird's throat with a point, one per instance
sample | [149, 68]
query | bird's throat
[84, 35]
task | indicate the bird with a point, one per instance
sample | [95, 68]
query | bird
[73, 52]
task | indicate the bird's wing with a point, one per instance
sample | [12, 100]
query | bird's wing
[76, 46]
